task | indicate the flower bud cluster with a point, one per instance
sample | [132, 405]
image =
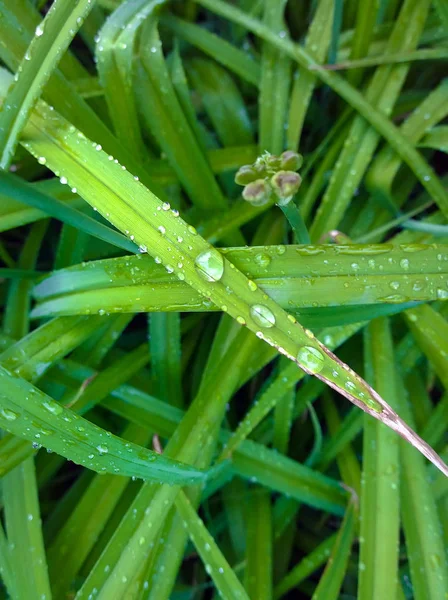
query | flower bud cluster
[269, 176]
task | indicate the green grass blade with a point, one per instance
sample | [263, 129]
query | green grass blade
[317, 42]
[5, 568]
[13, 451]
[274, 83]
[52, 38]
[66, 555]
[24, 531]
[306, 567]
[115, 53]
[378, 566]
[60, 430]
[217, 567]
[168, 123]
[348, 275]
[222, 101]
[33, 354]
[217, 48]
[165, 347]
[21, 502]
[15, 188]
[422, 529]
[330, 583]
[430, 330]
[258, 571]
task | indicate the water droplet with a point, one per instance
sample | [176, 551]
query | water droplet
[8, 414]
[311, 359]
[210, 265]
[241, 320]
[53, 407]
[102, 449]
[263, 260]
[252, 285]
[404, 264]
[262, 315]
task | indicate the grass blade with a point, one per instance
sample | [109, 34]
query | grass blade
[52, 38]
[378, 566]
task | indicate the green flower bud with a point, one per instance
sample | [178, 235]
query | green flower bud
[285, 184]
[260, 166]
[257, 193]
[246, 174]
[272, 162]
[291, 161]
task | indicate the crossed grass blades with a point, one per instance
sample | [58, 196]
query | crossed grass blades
[217, 455]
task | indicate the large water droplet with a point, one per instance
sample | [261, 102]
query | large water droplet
[8, 414]
[311, 359]
[102, 449]
[53, 407]
[210, 265]
[262, 315]
[263, 260]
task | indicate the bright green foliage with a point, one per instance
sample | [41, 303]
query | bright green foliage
[188, 305]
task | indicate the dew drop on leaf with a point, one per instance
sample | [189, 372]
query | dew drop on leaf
[262, 315]
[311, 359]
[263, 260]
[8, 414]
[53, 407]
[210, 265]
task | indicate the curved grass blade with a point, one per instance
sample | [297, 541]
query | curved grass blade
[93, 509]
[182, 251]
[33, 354]
[348, 276]
[19, 190]
[52, 38]
[436, 138]
[14, 214]
[217, 48]
[49, 424]
[288, 476]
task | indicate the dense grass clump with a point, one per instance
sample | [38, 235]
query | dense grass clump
[224, 343]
